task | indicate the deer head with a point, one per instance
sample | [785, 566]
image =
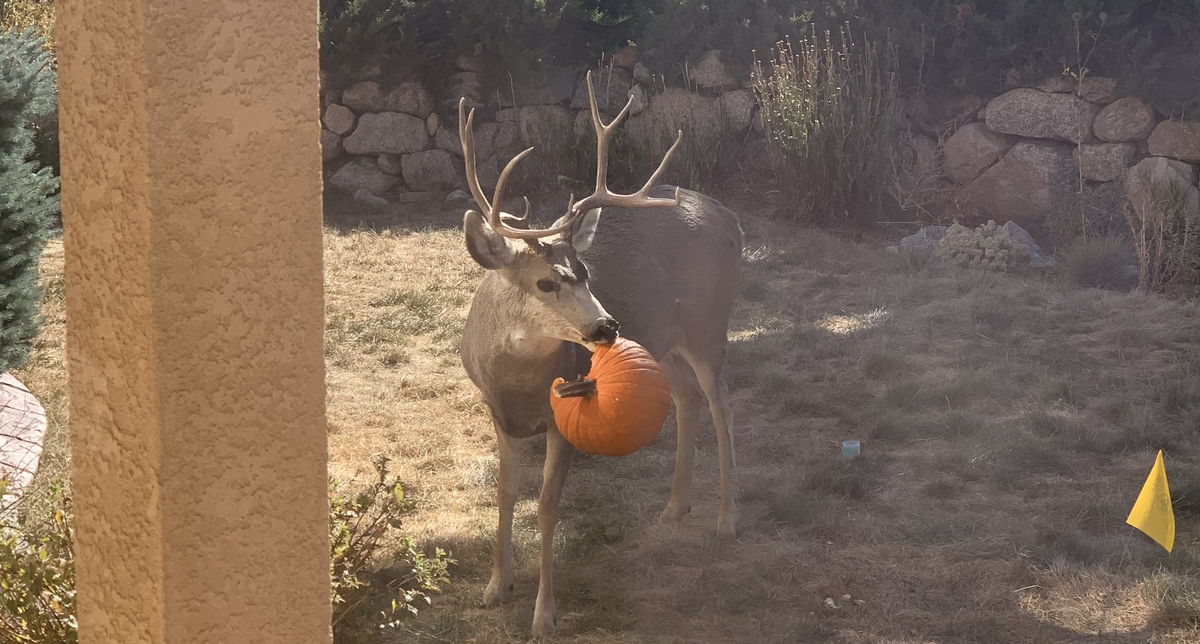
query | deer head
[542, 267]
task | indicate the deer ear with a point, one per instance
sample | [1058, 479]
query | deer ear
[487, 248]
[583, 232]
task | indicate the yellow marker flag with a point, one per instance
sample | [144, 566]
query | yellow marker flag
[1152, 512]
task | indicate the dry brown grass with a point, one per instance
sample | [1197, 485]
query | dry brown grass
[1007, 425]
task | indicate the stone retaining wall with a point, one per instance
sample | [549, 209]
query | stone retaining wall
[1022, 154]
[382, 142]
[1019, 156]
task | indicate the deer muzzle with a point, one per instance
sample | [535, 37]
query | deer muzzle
[604, 331]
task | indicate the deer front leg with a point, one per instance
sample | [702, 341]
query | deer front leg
[506, 496]
[558, 460]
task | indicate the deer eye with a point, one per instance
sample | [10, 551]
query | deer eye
[547, 286]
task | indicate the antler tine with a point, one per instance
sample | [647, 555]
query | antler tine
[602, 195]
[491, 210]
[466, 136]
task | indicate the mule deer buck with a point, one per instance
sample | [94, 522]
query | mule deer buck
[668, 274]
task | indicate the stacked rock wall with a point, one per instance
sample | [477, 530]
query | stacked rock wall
[1022, 156]
[380, 141]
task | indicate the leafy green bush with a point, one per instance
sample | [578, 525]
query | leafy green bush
[374, 588]
[27, 200]
[832, 116]
[37, 579]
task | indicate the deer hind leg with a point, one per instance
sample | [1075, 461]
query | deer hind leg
[708, 367]
[686, 393]
[558, 460]
[506, 497]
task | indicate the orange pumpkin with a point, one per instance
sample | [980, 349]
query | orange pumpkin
[619, 407]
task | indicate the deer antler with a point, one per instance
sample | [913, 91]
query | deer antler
[491, 210]
[602, 195]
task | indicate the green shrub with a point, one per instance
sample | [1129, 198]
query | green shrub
[27, 200]
[375, 588]
[831, 113]
[37, 579]
[1103, 262]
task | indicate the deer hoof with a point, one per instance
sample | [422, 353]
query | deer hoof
[544, 621]
[727, 526]
[673, 512]
[497, 591]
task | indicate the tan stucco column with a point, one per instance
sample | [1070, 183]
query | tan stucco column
[192, 229]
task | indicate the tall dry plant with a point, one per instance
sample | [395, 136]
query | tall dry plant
[1165, 232]
[832, 116]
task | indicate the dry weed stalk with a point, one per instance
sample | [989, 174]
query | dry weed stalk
[831, 115]
[1165, 235]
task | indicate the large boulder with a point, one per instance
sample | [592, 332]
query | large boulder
[709, 73]
[22, 432]
[653, 131]
[362, 174]
[389, 163]
[1155, 181]
[1125, 119]
[1040, 115]
[925, 239]
[391, 132]
[363, 96]
[431, 170]
[612, 88]
[544, 127]
[971, 150]
[1105, 161]
[640, 99]
[625, 57]
[410, 97]
[558, 89]
[1036, 258]
[484, 136]
[331, 145]
[737, 107]
[959, 109]
[468, 85]
[1098, 89]
[339, 119]
[1177, 140]
[1028, 183]
[1057, 84]
[447, 139]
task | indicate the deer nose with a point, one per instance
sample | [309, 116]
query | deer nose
[604, 331]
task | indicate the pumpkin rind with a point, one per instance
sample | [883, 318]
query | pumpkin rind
[632, 399]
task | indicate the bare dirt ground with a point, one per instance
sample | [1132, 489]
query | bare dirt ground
[1007, 424]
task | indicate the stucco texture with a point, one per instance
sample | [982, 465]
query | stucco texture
[192, 228]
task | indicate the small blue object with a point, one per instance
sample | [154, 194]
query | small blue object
[849, 449]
